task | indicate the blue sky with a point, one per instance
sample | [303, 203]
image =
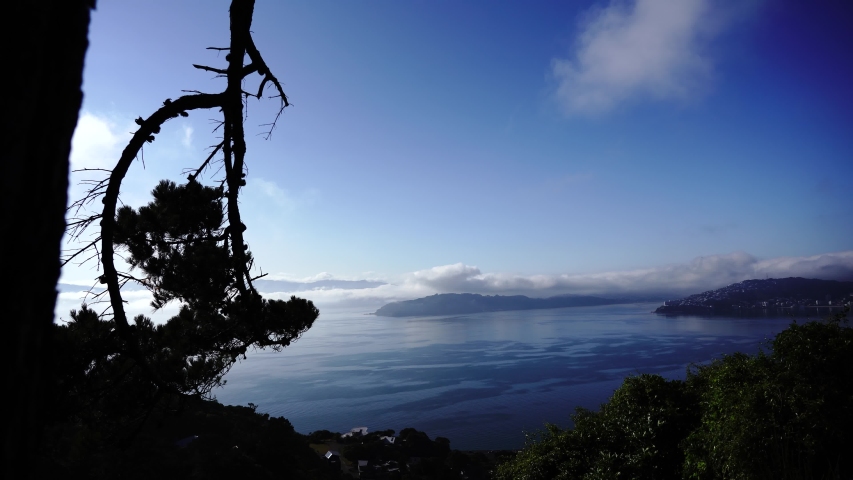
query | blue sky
[507, 140]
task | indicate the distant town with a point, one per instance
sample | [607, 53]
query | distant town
[795, 294]
[409, 455]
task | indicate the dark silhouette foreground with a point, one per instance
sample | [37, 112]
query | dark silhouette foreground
[102, 379]
[47, 44]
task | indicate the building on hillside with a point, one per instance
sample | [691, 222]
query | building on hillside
[355, 432]
[334, 458]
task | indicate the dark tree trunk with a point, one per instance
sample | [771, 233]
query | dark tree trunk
[41, 105]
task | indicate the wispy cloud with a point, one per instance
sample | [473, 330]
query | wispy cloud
[187, 139]
[639, 48]
[273, 192]
[280, 197]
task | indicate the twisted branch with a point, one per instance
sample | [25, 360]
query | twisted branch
[233, 148]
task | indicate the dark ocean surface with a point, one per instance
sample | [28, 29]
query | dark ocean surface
[481, 380]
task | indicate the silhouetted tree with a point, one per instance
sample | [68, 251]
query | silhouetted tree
[185, 245]
[46, 42]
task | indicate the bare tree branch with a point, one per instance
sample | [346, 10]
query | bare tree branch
[255, 55]
[210, 69]
[91, 244]
[206, 161]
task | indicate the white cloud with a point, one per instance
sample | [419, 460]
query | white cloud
[830, 266]
[452, 277]
[641, 48]
[318, 277]
[97, 142]
[268, 192]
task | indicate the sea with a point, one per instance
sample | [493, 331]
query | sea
[486, 381]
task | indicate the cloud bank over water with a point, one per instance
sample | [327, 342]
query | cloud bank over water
[701, 274]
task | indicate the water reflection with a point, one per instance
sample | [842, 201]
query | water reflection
[480, 380]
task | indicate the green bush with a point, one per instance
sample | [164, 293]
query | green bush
[783, 414]
[786, 414]
[634, 435]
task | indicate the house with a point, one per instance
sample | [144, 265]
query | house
[334, 458]
[355, 432]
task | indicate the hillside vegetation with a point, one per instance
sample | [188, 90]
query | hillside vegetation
[465, 303]
[785, 413]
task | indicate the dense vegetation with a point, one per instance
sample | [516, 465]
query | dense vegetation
[188, 438]
[106, 417]
[783, 414]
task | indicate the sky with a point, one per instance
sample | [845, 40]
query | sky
[627, 146]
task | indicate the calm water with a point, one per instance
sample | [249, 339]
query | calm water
[480, 380]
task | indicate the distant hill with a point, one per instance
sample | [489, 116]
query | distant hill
[793, 293]
[460, 303]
